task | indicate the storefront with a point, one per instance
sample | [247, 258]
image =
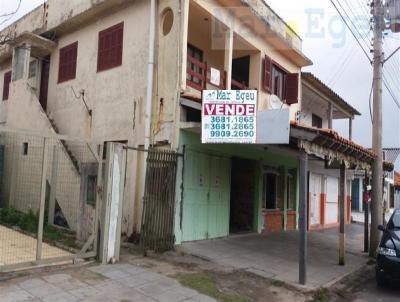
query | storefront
[230, 189]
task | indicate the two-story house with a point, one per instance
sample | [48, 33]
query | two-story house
[88, 70]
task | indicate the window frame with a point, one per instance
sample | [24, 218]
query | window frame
[6, 85]
[68, 63]
[265, 191]
[89, 201]
[275, 72]
[104, 62]
[316, 121]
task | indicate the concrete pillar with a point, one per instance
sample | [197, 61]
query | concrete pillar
[21, 60]
[185, 25]
[111, 209]
[303, 216]
[350, 128]
[330, 116]
[228, 57]
[342, 200]
[285, 196]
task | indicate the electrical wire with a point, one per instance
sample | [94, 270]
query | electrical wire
[351, 30]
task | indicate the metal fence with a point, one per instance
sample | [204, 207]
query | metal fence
[48, 199]
[157, 231]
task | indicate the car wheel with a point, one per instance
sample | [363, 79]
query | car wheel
[380, 280]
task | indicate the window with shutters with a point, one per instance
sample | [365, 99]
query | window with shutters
[110, 47]
[6, 85]
[278, 81]
[67, 65]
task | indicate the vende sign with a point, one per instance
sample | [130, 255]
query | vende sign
[229, 116]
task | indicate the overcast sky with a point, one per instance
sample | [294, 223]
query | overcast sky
[338, 60]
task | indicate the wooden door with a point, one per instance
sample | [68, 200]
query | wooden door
[44, 82]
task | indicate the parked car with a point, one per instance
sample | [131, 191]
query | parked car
[388, 254]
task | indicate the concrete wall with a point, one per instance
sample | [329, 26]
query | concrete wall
[313, 103]
[23, 172]
[5, 67]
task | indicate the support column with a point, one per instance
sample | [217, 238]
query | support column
[365, 201]
[285, 197]
[184, 25]
[342, 200]
[42, 200]
[330, 116]
[111, 209]
[350, 128]
[228, 57]
[53, 187]
[303, 216]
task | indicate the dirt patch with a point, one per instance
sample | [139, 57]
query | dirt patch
[225, 284]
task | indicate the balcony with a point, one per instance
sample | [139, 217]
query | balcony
[217, 57]
[200, 76]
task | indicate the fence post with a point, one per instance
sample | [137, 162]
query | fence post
[53, 186]
[42, 200]
[99, 199]
[111, 210]
[13, 177]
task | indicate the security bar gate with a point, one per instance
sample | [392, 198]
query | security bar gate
[157, 231]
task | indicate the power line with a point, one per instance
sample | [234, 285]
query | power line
[355, 37]
[391, 92]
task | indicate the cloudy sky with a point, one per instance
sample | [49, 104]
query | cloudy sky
[338, 60]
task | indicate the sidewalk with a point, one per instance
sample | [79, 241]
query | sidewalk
[120, 282]
[358, 217]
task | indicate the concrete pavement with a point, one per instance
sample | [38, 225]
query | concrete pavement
[120, 282]
[275, 255]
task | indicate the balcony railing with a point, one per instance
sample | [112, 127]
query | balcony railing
[236, 85]
[199, 75]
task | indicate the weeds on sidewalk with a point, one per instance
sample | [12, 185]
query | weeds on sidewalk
[206, 284]
[321, 295]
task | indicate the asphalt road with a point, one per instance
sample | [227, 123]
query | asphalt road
[369, 292]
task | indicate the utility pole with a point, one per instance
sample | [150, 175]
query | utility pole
[377, 170]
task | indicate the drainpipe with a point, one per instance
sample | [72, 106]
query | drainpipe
[150, 75]
[149, 96]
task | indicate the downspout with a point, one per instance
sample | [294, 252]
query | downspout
[149, 96]
[150, 77]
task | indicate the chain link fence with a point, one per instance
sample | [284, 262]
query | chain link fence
[48, 198]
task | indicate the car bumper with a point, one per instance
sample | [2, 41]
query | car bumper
[388, 267]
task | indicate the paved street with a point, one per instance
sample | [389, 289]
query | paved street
[121, 282]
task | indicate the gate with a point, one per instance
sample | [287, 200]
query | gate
[157, 231]
[49, 199]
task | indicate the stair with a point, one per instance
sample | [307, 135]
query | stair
[65, 145]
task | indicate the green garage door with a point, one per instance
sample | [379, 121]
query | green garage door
[206, 196]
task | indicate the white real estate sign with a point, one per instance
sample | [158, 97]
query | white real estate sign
[229, 116]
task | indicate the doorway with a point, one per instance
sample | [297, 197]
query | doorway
[44, 82]
[315, 185]
[242, 195]
[241, 71]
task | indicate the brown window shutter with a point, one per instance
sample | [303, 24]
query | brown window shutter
[292, 88]
[6, 85]
[267, 79]
[110, 47]
[68, 61]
